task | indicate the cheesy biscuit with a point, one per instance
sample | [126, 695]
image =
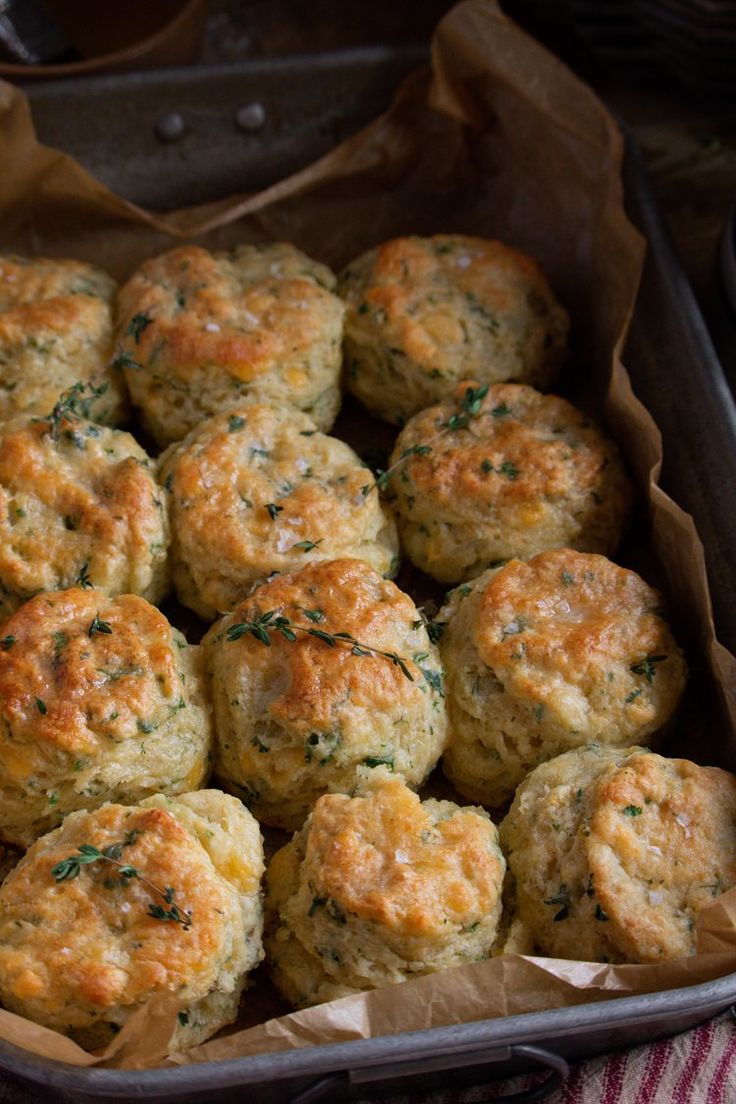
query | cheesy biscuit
[425, 313]
[615, 852]
[298, 718]
[100, 700]
[554, 653]
[56, 330]
[124, 903]
[504, 471]
[79, 504]
[379, 888]
[260, 490]
[199, 331]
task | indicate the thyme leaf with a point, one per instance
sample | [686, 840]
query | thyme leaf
[646, 666]
[97, 625]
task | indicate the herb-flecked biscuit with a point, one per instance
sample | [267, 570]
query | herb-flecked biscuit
[548, 655]
[125, 903]
[199, 331]
[614, 852]
[261, 490]
[504, 471]
[425, 313]
[79, 505]
[379, 888]
[100, 700]
[297, 718]
[55, 330]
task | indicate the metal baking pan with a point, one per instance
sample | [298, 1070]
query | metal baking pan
[309, 103]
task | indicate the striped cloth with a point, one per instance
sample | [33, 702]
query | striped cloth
[697, 1067]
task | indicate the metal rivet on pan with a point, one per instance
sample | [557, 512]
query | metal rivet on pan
[169, 128]
[250, 116]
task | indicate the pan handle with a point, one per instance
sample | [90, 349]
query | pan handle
[558, 1069]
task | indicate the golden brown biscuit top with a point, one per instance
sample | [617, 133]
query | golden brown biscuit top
[91, 939]
[260, 485]
[40, 288]
[332, 597]
[42, 300]
[662, 840]
[240, 310]
[431, 295]
[79, 669]
[410, 866]
[71, 491]
[521, 448]
[569, 616]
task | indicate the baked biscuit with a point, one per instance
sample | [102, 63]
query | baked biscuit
[548, 655]
[79, 505]
[297, 719]
[55, 330]
[614, 852]
[425, 313]
[258, 491]
[379, 888]
[199, 331]
[504, 471]
[85, 941]
[100, 700]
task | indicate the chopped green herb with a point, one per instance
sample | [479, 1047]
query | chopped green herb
[41, 707]
[562, 897]
[7, 643]
[633, 810]
[508, 469]
[273, 510]
[379, 761]
[566, 578]
[307, 545]
[235, 422]
[600, 914]
[433, 680]
[435, 630]
[137, 325]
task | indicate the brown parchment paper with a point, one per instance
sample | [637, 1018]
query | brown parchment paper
[499, 139]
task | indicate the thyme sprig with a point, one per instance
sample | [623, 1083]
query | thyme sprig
[470, 408]
[266, 623]
[70, 868]
[76, 402]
